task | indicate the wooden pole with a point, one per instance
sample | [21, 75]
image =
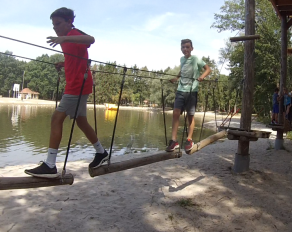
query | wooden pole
[133, 163]
[207, 141]
[34, 182]
[279, 142]
[241, 162]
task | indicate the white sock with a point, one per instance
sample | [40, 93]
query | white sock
[98, 147]
[51, 158]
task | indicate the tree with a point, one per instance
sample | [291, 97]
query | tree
[267, 50]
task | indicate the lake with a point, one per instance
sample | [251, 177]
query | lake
[24, 133]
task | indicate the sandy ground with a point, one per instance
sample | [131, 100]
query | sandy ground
[193, 193]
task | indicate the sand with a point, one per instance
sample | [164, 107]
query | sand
[193, 193]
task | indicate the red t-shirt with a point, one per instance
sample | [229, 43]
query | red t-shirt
[76, 67]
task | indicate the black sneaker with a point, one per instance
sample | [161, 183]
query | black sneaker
[172, 146]
[43, 171]
[99, 159]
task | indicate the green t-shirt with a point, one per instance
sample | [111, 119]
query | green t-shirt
[190, 72]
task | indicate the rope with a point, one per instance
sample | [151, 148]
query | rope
[75, 115]
[94, 109]
[163, 109]
[58, 83]
[206, 105]
[50, 49]
[214, 103]
[116, 119]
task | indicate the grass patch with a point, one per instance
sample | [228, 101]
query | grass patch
[185, 202]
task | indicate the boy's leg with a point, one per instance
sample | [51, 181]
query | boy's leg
[191, 109]
[56, 129]
[83, 124]
[178, 105]
[191, 120]
[175, 123]
[48, 168]
[101, 154]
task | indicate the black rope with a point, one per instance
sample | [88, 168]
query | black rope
[94, 109]
[50, 49]
[27, 58]
[163, 110]
[115, 125]
[206, 105]
[75, 115]
[130, 75]
[58, 83]
[214, 103]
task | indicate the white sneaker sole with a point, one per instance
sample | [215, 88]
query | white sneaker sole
[49, 176]
[102, 161]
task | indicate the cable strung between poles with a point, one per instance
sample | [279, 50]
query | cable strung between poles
[50, 49]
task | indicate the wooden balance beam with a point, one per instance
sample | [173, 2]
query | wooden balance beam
[34, 182]
[207, 141]
[243, 38]
[133, 163]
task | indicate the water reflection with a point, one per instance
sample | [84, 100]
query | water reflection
[24, 133]
[110, 115]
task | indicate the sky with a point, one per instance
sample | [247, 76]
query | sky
[130, 32]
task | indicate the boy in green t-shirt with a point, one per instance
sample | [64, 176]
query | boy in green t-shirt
[186, 94]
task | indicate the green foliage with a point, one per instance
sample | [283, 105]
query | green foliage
[11, 72]
[267, 51]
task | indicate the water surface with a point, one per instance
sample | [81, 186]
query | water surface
[24, 133]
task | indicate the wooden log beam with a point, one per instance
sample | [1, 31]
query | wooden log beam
[254, 134]
[207, 141]
[243, 38]
[34, 182]
[241, 138]
[133, 163]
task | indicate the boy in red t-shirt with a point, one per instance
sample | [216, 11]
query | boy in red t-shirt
[73, 42]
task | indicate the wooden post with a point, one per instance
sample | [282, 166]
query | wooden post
[244, 38]
[241, 162]
[133, 163]
[284, 45]
[34, 182]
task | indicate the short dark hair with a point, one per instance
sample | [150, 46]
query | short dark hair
[64, 13]
[183, 41]
[276, 89]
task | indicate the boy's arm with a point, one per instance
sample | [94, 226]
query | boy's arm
[176, 78]
[205, 73]
[80, 39]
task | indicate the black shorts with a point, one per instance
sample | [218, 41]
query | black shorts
[186, 100]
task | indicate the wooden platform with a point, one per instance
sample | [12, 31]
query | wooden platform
[243, 135]
[286, 127]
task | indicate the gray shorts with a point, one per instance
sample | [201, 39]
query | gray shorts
[68, 105]
[186, 100]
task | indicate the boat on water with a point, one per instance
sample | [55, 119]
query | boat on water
[110, 106]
